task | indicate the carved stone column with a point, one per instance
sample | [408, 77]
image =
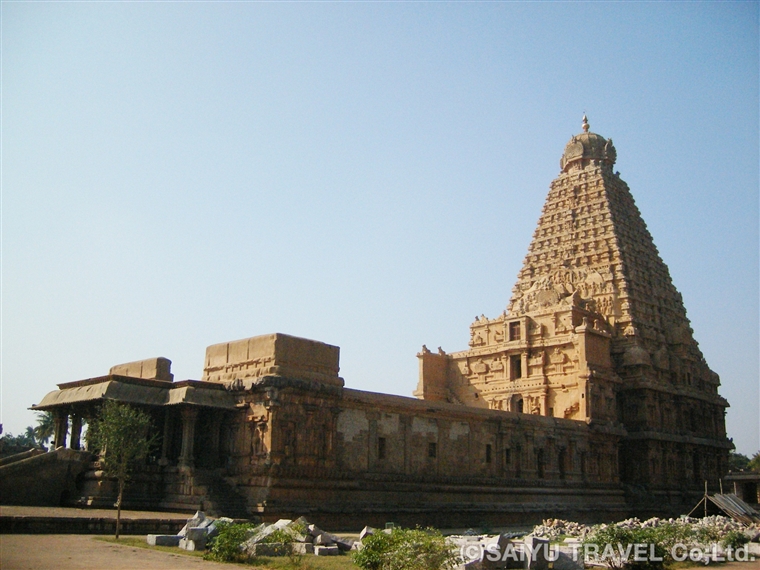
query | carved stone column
[76, 431]
[216, 428]
[61, 421]
[187, 457]
[166, 441]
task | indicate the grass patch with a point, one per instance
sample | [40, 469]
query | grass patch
[307, 562]
[140, 542]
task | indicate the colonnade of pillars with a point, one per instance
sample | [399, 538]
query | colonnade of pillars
[189, 415]
[64, 418]
[61, 429]
[187, 453]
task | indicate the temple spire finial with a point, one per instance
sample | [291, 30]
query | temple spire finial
[585, 123]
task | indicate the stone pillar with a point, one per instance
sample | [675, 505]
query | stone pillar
[187, 457]
[76, 431]
[216, 428]
[166, 440]
[61, 420]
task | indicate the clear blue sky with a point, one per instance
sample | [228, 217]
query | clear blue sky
[366, 174]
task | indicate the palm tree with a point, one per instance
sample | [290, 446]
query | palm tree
[45, 427]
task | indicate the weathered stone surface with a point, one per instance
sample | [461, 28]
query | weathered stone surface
[152, 368]
[193, 522]
[323, 539]
[274, 354]
[536, 552]
[163, 539]
[344, 544]
[187, 544]
[314, 530]
[197, 533]
[270, 549]
[302, 548]
[326, 550]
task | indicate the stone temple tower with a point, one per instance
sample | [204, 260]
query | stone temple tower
[595, 331]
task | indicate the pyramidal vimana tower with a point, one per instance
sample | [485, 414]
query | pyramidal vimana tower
[595, 331]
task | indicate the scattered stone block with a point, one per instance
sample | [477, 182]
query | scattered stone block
[187, 544]
[197, 533]
[163, 539]
[314, 530]
[323, 539]
[332, 550]
[536, 550]
[366, 531]
[494, 549]
[344, 544]
[271, 549]
[194, 521]
[303, 548]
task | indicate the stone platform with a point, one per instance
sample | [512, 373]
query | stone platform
[62, 520]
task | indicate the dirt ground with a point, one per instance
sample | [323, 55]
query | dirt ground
[83, 552]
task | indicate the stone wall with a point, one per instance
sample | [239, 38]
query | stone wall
[360, 454]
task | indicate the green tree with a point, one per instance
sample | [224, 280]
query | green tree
[737, 461]
[45, 427]
[19, 443]
[122, 435]
[754, 463]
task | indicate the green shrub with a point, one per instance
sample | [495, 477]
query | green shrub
[225, 547]
[299, 527]
[407, 549]
[278, 535]
[610, 539]
[734, 539]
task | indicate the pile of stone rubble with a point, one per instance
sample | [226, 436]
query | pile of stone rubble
[302, 538]
[193, 536]
[278, 539]
[553, 529]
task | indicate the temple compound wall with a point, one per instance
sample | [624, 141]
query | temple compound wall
[587, 398]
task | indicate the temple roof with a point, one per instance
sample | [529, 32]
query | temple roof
[588, 146]
[138, 391]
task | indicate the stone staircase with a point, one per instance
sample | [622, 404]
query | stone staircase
[42, 479]
[206, 490]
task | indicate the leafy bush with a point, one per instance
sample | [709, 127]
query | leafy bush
[299, 527]
[225, 546]
[407, 549]
[734, 539]
[610, 539]
[278, 535]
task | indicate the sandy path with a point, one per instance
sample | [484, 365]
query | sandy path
[83, 552]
